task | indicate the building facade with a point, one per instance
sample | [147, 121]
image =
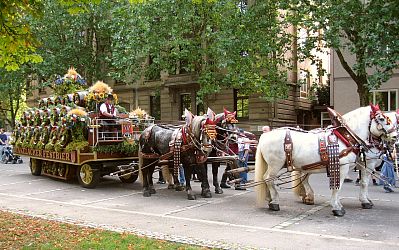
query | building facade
[343, 89]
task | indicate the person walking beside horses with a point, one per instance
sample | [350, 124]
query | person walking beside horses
[243, 153]
[388, 172]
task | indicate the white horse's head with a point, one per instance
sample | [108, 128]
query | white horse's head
[391, 138]
[382, 125]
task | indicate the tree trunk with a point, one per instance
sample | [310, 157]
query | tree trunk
[363, 94]
[362, 90]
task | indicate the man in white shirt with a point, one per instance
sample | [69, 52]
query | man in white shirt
[108, 111]
[243, 153]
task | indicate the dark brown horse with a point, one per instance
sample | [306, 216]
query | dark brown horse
[226, 134]
[188, 145]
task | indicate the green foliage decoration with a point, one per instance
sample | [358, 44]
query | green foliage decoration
[123, 148]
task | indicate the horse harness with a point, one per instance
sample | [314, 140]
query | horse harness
[182, 141]
[329, 149]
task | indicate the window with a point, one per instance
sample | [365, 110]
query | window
[241, 105]
[200, 108]
[386, 99]
[185, 103]
[304, 80]
[155, 107]
[325, 120]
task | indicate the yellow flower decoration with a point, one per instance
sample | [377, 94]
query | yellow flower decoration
[100, 87]
[79, 112]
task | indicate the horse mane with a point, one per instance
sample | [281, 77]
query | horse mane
[196, 125]
[355, 119]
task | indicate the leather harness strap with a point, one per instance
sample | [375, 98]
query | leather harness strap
[288, 151]
[333, 167]
[323, 148]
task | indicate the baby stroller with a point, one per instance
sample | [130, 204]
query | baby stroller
[8, 156]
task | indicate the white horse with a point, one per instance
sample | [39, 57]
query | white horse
[372, 159]
[271, 158]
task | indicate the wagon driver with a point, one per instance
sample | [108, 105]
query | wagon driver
[108, 111]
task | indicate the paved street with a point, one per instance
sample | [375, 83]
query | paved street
[230, 220]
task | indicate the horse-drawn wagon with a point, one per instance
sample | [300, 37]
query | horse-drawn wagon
[66, 137]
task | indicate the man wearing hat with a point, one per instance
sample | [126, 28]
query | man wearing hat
[108, 111]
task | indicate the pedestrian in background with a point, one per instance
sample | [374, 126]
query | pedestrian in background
[3, 140]
[266, 129]
[243, 153]
[388, 172]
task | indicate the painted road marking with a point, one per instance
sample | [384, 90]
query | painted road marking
[302, 216]
[209, 222]
[21, 182]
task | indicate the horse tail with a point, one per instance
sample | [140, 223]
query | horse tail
[260, 169]
[297, 184]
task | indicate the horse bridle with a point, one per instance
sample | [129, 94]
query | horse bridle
[378, 121]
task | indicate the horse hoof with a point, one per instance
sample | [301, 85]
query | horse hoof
[171, 186]
[339, 213]
[147, 193]
[191, 197]
[274, 207]
[206, 194]
[367, 206]
[179, 188]
[308, 201]
[152, 191]
[371, 203]
[218, 191]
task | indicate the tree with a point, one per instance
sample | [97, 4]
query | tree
[80, 40]
[368, 29]
[225, 43]
[17, 43]
[13, 85]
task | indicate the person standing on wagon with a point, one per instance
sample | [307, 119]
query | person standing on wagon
[108, 111]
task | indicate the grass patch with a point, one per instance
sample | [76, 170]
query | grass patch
[24, 232]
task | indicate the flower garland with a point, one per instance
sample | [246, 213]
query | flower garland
[77, 120]
[35, 137]
[44, 137]
[69, 83]
[64, 137]
[97, 95]
[52, 139]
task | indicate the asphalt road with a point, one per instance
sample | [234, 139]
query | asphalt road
[229, 220]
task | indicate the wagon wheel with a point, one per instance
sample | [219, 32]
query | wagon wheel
[130, 178]
[35, 167]
[88, 177]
